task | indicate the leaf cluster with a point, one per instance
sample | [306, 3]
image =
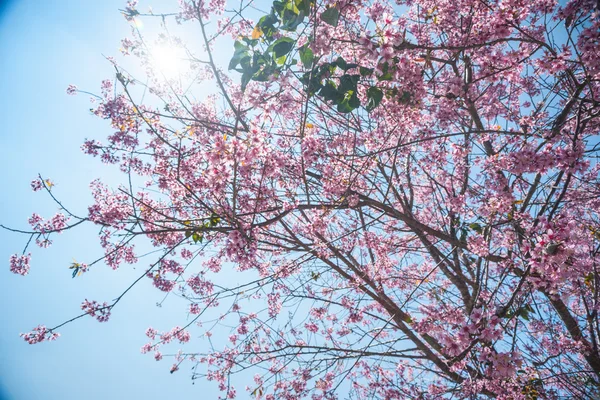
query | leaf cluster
[197, 232]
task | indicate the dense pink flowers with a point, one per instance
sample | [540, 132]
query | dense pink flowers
[200, 286]
[56, 224]
[151, 333]
[195, 309]
[20, 264]
[274, 303]
[99, 311]
[37, 185]
[403, 204]
[39, 334]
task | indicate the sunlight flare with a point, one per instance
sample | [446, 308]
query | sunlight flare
[169, 60]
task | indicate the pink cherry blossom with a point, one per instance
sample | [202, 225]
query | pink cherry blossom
[39, 334]
[375, 199]
[20, 264]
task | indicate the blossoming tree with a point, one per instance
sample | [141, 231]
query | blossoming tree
[408, 190]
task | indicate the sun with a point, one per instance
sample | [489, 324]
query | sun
[168, 60]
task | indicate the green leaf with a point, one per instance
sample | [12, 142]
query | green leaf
[366, 71]
[239, 47]
[374, 96]
[331, 16]
[260, 61]
[267, 24]
[266, 73]
[249, 41]
[524, 312]
[278, 6]
[349, 103]
[291, 12]
[405, 98]
[197, 237]
[476, 227]
[292, 21]
[290, 6]
[306, 56]
[344, 95]
[214, 220]
[281, 60]
[329, 92]
[348, 82]
[303, 5]
[240, 56]
[348, 89]
[343, 65]
[354, 102]
[386, 72]
[246, 76]
[282, 46]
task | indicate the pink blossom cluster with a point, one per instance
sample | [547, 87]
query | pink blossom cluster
[54, 225]
[71, 90]
[166, 268]
[39, 334]
[274, 303]
[195, 309]
[99, 311]
[443, 243]
[20, 264]
[501, 365]
[200, 285]
[241, 249]
[109, 208]
[37, 184]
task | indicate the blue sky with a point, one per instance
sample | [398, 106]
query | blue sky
[44, 46]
